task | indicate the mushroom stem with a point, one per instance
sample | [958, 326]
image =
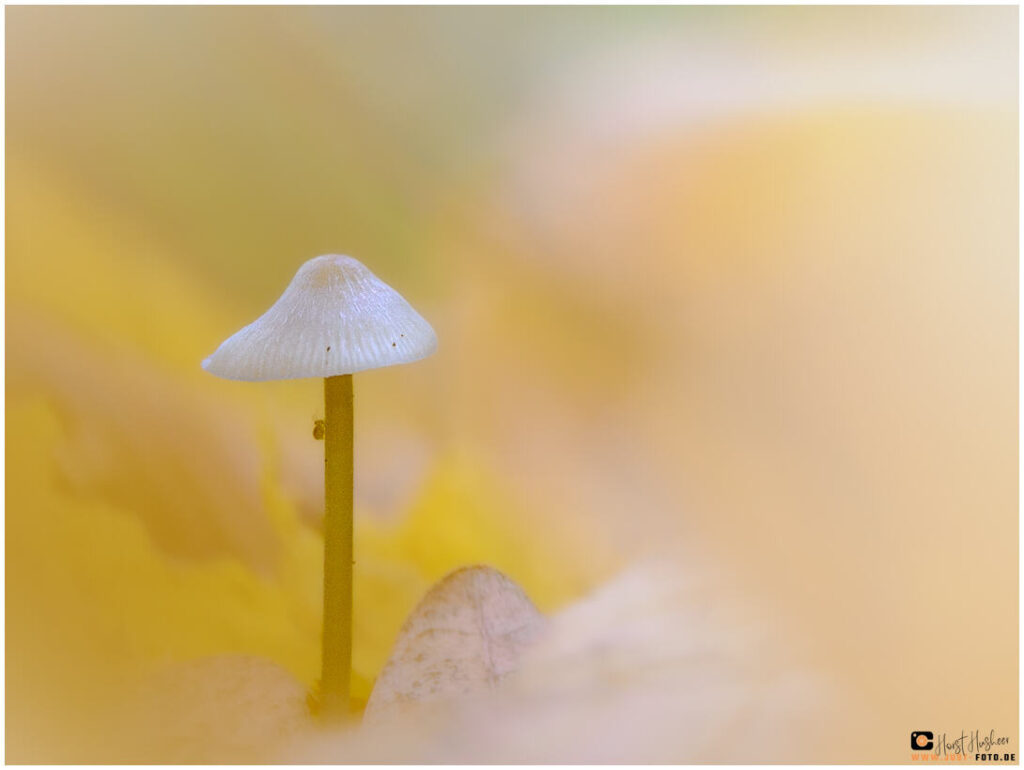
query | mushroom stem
[337, 631]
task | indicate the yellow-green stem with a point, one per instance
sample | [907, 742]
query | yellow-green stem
[337, 638]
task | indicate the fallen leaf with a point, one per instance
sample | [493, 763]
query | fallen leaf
[660, 665]
[465, 637]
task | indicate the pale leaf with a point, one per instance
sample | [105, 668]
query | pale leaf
[464, 637]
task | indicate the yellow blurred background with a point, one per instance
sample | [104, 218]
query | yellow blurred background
[739, 282]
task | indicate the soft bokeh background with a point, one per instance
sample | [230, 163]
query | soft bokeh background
[735, 282]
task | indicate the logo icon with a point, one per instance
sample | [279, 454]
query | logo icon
[922, 740]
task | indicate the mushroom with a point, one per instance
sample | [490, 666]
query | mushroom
[334, 319]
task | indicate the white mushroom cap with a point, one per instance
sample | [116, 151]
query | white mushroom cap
[335, 317]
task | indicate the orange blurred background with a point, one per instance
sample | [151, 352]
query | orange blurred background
[739, 282]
